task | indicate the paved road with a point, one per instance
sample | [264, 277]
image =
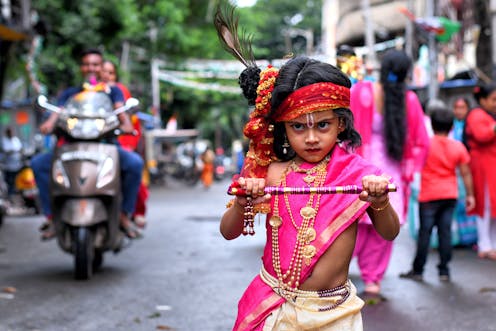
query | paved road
[184, 276]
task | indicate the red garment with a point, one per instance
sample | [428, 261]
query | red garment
[124, 90]
[439, 173]
[140, 208]
[127, 141]
[479, 127]
[130, 143]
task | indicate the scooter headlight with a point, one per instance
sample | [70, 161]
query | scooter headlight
[59, 175]
[85, 128]
[106, 172]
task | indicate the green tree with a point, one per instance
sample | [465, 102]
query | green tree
[269, 30]
[171, 30]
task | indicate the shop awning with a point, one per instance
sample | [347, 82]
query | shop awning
[385, 16]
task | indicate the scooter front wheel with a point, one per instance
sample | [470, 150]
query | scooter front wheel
[83, 253]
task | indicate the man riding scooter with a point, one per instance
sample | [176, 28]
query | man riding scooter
[131, 163]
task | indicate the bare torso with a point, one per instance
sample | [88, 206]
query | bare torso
[332, 268]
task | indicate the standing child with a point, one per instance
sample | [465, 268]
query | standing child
[480, 131]
[439, 192]
[301, 133]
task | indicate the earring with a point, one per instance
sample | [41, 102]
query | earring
[285, 145]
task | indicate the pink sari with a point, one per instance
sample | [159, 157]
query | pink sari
[336, 213]
[416, 142]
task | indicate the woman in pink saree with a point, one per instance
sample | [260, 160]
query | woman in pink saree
[391, 123]
[301, 135]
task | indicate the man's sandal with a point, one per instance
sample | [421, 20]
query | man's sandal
[48, 231]
[44, 226]
[130, 232]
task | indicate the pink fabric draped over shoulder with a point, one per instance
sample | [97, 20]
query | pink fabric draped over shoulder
[336, 213]
[417, 139]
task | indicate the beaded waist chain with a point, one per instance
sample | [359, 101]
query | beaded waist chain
[337, 295]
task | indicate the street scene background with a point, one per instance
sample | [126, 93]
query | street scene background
[184, 276]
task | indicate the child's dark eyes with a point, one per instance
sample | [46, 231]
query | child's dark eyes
[323, 125]
[320, 125]
[298, 126]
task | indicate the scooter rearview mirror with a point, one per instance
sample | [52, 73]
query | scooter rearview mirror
[132, 102]
[42, 100]
[43, 103]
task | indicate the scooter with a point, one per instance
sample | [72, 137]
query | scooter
[85, 187]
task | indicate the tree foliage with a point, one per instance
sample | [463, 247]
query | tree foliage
[172, 30]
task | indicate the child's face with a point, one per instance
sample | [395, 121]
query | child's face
[489, 103]
[312, 136]
[108, 73]
[460, 109]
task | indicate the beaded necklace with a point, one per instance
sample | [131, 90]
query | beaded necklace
[302, 251]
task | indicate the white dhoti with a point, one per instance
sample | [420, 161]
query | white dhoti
[332, 310]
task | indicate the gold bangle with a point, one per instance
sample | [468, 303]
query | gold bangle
[381, 208]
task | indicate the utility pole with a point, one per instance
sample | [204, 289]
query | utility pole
[369, 34]
[492, 10]
[155, 67]
[409, 32]
[330, 8]
[433, 87]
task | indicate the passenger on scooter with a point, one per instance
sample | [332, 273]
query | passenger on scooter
[130, 142]
[131, 163]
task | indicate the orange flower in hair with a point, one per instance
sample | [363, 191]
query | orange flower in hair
[259, 130]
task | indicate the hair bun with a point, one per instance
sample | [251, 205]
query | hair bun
[248, 81]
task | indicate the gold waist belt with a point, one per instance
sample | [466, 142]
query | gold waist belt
[332, 297]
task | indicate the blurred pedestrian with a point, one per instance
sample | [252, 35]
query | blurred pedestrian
[466, 225]
[12, 163]
[207, 172]
[348, 62]
[461, 107]
[391, 122]
[480, 131]
[130, 142]
[439, 193]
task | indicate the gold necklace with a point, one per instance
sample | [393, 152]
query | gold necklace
[302, 251]
[310, 173]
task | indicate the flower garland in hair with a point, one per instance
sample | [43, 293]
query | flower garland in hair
[264, 90]
[259, 130]
[261, 152]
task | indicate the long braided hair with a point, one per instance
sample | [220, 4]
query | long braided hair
[395, 66]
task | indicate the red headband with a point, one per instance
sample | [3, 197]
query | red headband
[312, 98]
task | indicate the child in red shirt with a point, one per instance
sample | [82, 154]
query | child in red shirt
[439, 192]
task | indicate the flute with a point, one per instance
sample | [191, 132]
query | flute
[344, 189]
